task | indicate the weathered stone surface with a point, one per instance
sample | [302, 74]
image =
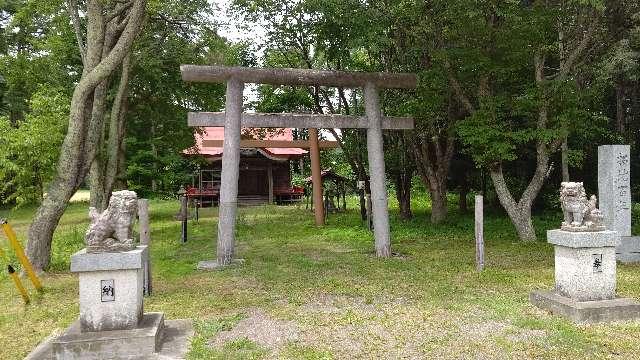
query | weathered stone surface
[143, 340]
[577, 276]
[375, 153]
[133, 259]
[582, 239]
[614, 187]
[628, 250]
[619, 309]
[112, 230]
[168, 342]
[101, 308]
[300, 121]
[284, 76]
[124, 311]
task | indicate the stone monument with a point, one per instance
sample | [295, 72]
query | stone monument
[112, 323]
[585, 264]
[614, 188]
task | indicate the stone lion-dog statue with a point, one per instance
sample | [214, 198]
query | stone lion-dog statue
[579, 213]
[112, 230]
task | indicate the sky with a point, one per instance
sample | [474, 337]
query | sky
[233, 31]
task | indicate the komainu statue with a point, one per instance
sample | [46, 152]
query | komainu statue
[112, 230]
[580, 214]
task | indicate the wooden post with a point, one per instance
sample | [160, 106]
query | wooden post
[316, 176]
[184, 216]
[344, 198]
[145, 239]
[369, 217]
[143, 216]
[479, 233]
[270, 179]
[375, 154]
[228, 203]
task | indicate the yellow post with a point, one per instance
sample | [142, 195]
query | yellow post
[13, 241]
[16, 280]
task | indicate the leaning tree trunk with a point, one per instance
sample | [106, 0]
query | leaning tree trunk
[96, 172]
[78, 148]
[520, 216]
[117, 130]
[104, 169]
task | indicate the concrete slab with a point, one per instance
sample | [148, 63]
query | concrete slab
[587, 312]
[134, 259]
[143, 340]
[177, 339]
[583, 239]
[628, 250]
[209, 265]
[172, 344]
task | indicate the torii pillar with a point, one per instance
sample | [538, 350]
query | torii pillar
[233, 119]
[316, 176]
[228, 204]
[375, 152]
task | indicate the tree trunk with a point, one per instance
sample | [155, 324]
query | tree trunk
[96, 173]
[116, 132]
[439, 204]
[463, 206]
[403, 194]
[620, 108]
[154, 151]
[565, 159]
[79, 146]
[433, 168]
[519, 213]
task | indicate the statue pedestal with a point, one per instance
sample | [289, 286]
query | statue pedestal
[585, 264]
[585, 279]
[112, 324]
[111, 288]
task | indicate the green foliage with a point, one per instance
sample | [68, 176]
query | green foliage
[157, 133]
[30, 150]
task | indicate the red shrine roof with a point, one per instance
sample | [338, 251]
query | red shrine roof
[217, 133]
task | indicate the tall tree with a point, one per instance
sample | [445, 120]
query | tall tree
[111, 28]
[499, 126]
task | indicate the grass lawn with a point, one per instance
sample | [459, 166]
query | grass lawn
[320, 293]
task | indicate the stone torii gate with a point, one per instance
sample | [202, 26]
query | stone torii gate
[234, 119]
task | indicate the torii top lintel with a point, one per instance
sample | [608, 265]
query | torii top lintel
[288, 76]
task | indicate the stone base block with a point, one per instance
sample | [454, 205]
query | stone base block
[213, 264]
[628, 251]
[155, 339]
[587, 312]
[585, 274]
[143, 340]
[111, 288]
[592, 239]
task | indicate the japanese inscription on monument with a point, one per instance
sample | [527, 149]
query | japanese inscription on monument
[597, 263]
[614, 187]
[107, 291]
[622, 182]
